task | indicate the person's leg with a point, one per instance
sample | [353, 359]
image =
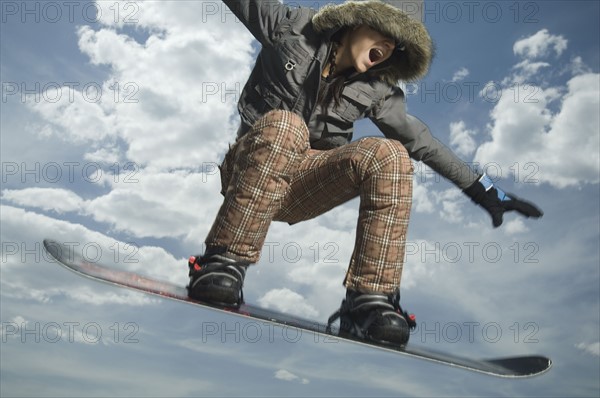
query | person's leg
[378, 170]
[263, 164]
[256, 175]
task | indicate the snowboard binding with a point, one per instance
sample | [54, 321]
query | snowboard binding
[216, 278]
[375, 317]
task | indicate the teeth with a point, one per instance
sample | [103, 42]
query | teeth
[375, 54]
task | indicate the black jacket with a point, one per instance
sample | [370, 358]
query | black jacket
[287, 75]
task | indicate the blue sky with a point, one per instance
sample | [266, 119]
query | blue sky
[111, 128]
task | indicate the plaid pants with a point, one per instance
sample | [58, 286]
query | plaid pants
[271, 174]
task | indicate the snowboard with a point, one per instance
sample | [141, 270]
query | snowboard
[510, 367]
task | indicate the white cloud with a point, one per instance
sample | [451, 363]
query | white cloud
[540, 45]
[460, 74]
[288, 301]
[592, 348]
[83, 294]
[89, 296]
[285, 375]
[13, 327]
[524, 71]
[57, 199]
[168, 107]
[548, 129]
[515, 226]
[417, 268]
[144, 203]
[321, 273]
[106, 155]
[76, 110]
[461, 139]
[171, 100]
[562, 144]
[422, 197]
[578, 67]
[451, 201]
[160, 204]
[22, 232]
[19, 320]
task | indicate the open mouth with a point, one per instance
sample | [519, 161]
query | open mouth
[375, 55]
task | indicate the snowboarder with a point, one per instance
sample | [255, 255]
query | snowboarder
[294, 159]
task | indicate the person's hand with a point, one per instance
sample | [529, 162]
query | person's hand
[496, 202]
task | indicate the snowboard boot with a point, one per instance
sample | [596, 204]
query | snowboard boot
[217, 278]
[374, 316]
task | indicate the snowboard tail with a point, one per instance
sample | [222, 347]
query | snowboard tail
[513, 367]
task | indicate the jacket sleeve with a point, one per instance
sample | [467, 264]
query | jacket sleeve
[261, 17]
[391, 118]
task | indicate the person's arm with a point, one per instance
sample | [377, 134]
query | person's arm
[395, 123]
[260, 17]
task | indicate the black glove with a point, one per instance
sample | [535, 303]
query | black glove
[496, 202]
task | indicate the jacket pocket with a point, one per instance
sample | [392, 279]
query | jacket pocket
[291, 53]
[260, 100]
[294, 64]
[268, 96]
[354, 104]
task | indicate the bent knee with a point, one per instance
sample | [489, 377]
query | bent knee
[281, 128]
[282, 116]
[281, 122]
[387, 154]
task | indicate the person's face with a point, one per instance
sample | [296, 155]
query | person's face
[368, 48]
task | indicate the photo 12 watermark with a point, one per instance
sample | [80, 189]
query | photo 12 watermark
[471, 252]
[475, 332]
[69, 332]
[76, 172]
[129, 12]
[69, 172]
[261, 331]
[527, 172]
[52, 12]
[517, 12]
[252, 332]
[90, 252]
[490, 92]
[70, 92]
[220, 91]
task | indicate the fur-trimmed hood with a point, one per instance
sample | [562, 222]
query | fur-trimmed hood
[409, 64]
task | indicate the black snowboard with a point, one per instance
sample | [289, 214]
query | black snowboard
[522, 366]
